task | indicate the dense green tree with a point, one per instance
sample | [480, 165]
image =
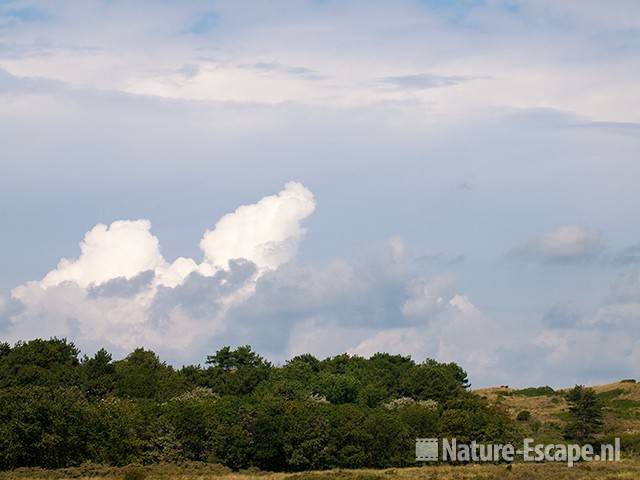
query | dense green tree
[231, 433]
[119, 428]
[98, 374]
[305, 364]
[372, 395]
[585, 410]
[40, 362]
[5, 349]
[241, 411]
[192, 420]
[41, 426]
[236, 372]
[422, 420]
[389, 372]
[306, 439]
[229, 360]
[142, 375]
[336, 388]
[391, 441]
[351, 441]
[270, 425]
[435, 381]
[193, 375]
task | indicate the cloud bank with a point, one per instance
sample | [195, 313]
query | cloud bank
[121, 292]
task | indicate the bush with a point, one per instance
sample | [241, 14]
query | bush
[625, 404]
[534, 391]
[523, 416]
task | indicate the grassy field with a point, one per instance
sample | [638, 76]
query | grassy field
[626, 469]
[548, 408]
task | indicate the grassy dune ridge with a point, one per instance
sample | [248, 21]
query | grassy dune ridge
[548, 411]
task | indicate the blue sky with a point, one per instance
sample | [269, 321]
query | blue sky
[465, 180]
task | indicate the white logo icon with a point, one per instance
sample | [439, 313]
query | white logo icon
[426, 449]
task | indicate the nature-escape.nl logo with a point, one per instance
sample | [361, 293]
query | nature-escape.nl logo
[428, 449]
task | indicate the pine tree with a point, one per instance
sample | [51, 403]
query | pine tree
[585, 410]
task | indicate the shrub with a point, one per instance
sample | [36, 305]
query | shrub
[624, 403]
[523, 416]
[534, 391]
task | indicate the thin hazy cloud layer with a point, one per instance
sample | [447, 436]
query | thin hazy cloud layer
[465, 180]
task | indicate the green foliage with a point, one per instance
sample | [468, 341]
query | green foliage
[242, 357]
[98, 374]
[42, 426]
[142, 375]
[337, 388]
[585, 410]
[50, 363]
[236, 372]
[239, 410]
[5, 349]
[230, 433]
[189, 418]
[119, 428]
[534, 391]
[629, 442]
[624, 404]
[523, 416]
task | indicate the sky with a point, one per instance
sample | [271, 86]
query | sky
[454, 180]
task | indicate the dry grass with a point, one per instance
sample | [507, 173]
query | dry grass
[622, 401]
[627, 469]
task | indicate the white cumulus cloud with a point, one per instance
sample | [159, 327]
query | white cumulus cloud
[120, 291]
[123, 249]
[266, 233]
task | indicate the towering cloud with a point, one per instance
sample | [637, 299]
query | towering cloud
[121, 292]
[266, 233]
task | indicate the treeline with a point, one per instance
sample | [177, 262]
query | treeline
[58, 410]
